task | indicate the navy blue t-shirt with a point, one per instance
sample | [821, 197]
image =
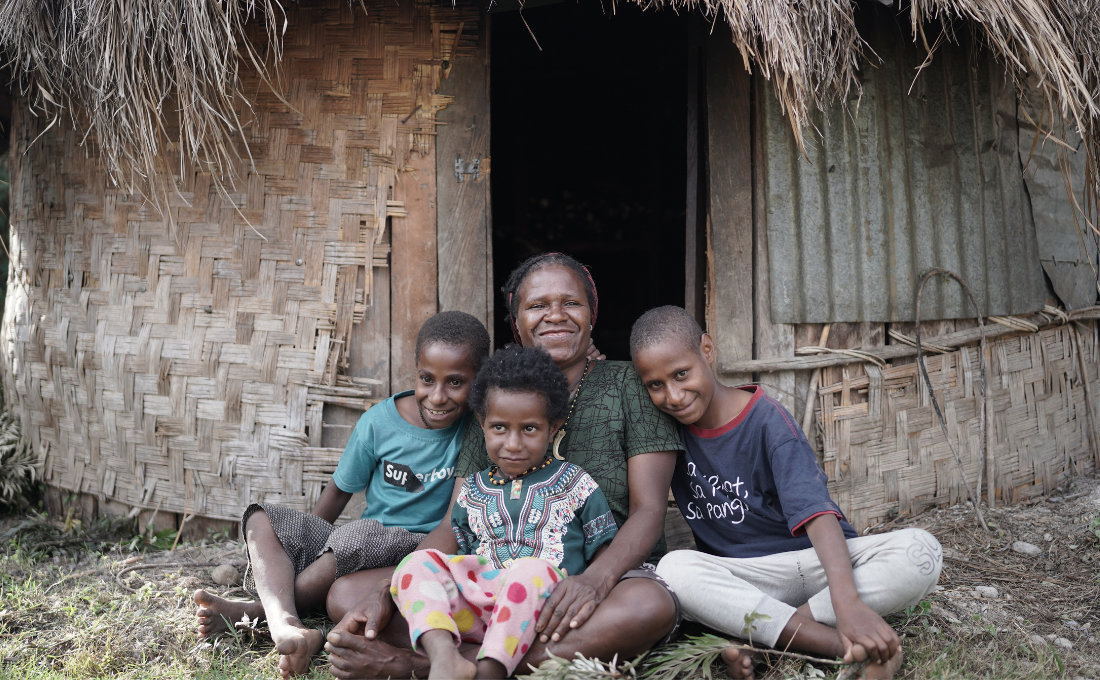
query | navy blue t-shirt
[747, 488]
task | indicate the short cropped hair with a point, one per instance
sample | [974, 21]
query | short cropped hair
[663, 324]
[522, 369]
[458, 329]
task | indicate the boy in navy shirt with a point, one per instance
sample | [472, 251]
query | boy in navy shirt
[771, 541]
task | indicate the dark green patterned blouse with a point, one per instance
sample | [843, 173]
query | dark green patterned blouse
[614, 420]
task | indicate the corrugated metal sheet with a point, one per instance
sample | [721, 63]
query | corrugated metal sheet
[902, 182]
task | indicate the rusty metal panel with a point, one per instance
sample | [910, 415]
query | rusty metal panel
[900, 182]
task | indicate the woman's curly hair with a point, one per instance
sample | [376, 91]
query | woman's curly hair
[515, 368]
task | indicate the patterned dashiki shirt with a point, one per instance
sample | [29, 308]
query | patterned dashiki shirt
[561, 516]
[614, 420]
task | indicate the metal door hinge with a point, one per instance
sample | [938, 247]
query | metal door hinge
[467, 171]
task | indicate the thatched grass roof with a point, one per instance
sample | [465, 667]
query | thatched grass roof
[129, 71]
[121, 68]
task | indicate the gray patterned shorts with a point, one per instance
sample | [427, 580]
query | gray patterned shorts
[361, 544]
[649, 572]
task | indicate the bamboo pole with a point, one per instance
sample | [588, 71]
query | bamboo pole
[811, 392]
[950, 341]
[1094, 435]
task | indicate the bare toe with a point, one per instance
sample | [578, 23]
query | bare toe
[738, 663]
[296, 652]
[214, 613]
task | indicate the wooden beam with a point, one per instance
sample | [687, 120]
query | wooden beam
[729, 164]
[772, 340]
[464, 214]
[413, 268]
[695, 228]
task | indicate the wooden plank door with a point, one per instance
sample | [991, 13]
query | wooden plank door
[464, 231]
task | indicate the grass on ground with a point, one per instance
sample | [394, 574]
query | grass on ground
[65, 613]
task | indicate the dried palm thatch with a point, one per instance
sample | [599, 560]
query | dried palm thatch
[140, 77]
[126, 70]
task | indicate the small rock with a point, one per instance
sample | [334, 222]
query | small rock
[1037, 640]
[1063, 643]
[1048, 537]
[1072, 625]
[225, 575]
[1029, 549]
[1050, 638]
[986, 591]
[934, 629]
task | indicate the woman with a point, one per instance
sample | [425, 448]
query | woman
[616, 435]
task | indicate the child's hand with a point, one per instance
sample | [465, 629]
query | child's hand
[594, 354]
[859, 625]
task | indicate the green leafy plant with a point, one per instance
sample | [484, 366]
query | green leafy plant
[692, 656]
[1094, 527]
[750, 623]
[18, 462]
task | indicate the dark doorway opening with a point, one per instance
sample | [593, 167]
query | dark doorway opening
[589, 150]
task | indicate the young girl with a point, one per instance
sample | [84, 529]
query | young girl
[521, 526]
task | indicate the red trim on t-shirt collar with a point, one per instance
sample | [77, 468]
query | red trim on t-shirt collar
[757, 392]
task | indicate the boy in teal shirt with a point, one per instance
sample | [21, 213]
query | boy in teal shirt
[402, 452]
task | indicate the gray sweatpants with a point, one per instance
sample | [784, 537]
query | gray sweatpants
[892, 571]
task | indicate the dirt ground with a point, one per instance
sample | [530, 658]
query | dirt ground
[69, 608]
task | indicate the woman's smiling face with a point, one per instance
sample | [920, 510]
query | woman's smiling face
[553, 314]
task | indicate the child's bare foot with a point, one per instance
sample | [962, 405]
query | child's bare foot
[296, 647]
[874, 671]
[738, 663]
[452, 666]
[446, 661]
[213, 612]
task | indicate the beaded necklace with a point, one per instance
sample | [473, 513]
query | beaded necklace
[517, 481]
[572, 405]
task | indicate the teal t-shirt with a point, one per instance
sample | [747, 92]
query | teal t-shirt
[405, 469]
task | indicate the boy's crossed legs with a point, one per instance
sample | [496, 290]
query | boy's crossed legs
[891, 571]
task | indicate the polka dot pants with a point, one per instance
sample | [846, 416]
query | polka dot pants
[474, 600]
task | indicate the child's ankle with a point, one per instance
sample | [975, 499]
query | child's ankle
[438, 643]
[491, 668]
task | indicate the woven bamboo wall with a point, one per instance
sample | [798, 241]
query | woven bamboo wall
[884, 448]
[182, 360]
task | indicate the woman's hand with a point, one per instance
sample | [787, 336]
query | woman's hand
[371, 614]
[572, 602]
